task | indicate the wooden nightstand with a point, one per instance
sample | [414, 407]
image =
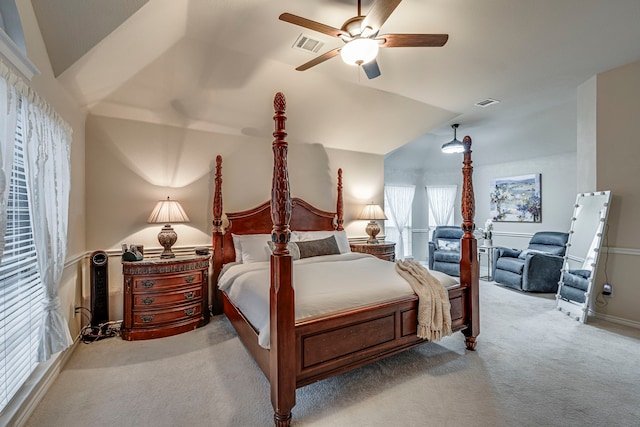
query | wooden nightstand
[383, 250]
[165, 297]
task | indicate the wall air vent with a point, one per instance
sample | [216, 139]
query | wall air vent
[308, 44]
[486, 102]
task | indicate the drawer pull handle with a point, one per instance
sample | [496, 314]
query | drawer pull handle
[189, 295]
[190, 279]
[147, 319]
[148, 283]
[147, 300]
[189, 311]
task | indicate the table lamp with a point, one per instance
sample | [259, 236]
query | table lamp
[372, 212]
[167, 212]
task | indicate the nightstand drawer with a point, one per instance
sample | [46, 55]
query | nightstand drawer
[158, 283]
[165, 296]
[155, 317]
[153, 300]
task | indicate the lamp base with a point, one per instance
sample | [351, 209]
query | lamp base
[372, 230]
[167, 237]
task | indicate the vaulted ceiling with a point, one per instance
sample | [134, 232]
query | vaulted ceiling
[215, 65]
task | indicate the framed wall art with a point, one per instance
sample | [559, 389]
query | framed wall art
[516, 199]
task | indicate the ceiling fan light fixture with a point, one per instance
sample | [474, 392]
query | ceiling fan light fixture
[453, 146]
[359, 51]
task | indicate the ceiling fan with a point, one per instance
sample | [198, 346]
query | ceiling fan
[360, 35]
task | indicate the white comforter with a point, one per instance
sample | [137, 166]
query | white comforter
[322, 285]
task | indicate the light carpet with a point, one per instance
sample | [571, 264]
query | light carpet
[533, 366]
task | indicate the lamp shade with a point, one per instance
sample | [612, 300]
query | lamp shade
[453, 146]
[372, 212]
[359, 51]
[167, 212]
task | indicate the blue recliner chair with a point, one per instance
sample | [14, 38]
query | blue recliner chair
[535, 269]
[444, 249]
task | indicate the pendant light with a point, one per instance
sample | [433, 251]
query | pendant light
[453, 146]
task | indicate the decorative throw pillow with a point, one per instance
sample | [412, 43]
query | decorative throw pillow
[341, 238]
[311, 248]
[292, 246]
[449, 245]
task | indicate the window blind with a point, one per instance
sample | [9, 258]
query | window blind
[21, 292]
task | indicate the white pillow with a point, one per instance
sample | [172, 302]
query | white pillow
[293, 249]
[444, 279]
[341, 238]
[251, 247]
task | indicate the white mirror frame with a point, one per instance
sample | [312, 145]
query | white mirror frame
[575, 309]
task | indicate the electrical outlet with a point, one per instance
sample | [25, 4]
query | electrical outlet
[607, 289]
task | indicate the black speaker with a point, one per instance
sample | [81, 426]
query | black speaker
[99, 288]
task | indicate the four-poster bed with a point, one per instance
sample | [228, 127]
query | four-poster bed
[301, 351]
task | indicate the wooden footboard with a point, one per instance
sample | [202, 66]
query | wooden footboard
[329, 345]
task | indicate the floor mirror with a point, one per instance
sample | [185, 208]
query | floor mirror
[588, 226]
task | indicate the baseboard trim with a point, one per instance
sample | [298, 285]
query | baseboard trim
[614, 319]
[22, 405]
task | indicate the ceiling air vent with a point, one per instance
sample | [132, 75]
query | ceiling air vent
[486, 102]
[308, 44]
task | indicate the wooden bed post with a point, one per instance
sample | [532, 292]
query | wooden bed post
[469, 267]
[339, 207]
[282, 355]
[216, 305]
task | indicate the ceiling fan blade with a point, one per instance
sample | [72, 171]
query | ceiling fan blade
[379, 13]
[371, 69]
[312, 25]
[413, 40]
[320, 59]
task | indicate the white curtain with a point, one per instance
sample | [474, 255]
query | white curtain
[399, 200]
[47, 141]
[8, 117]
[441, 203]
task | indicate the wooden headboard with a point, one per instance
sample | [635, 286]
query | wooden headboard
[304, 217]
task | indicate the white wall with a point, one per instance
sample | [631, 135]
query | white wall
[130, 165]
[617, 108]
[558, 197]
[558, 192]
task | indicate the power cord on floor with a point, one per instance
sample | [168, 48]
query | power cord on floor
[90, 333]
[600, 300]
[104, 330]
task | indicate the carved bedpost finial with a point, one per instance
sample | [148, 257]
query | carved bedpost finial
[279, 103]
[468, 198]
[280, 195]
[217, 197]
[339, 207]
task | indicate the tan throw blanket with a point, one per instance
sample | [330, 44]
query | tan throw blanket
[434, 315]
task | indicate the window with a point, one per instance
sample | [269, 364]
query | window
[12, 44]
[398, 204]
[21, 293]
[441, 200]
[391, 233]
